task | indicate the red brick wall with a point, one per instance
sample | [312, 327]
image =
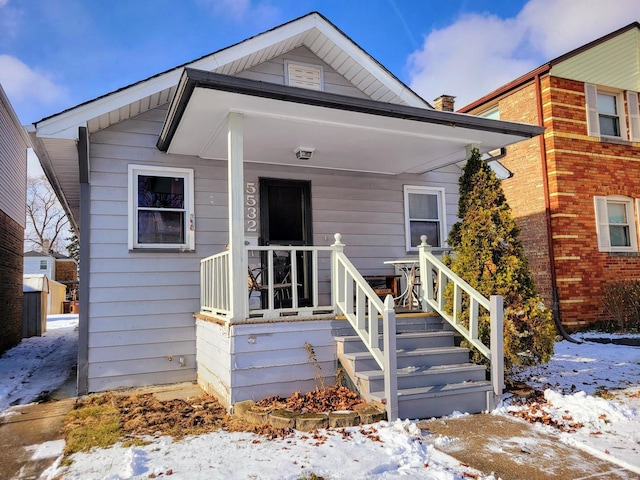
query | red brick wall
[66, 271]
[11, 248]
[525, 190]
[584, 167]
[578, 168]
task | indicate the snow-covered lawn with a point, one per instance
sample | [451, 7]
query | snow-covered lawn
[604, 426]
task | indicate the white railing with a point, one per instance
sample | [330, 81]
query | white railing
[286, 280]
[215, 292]
[355, 299]
[435, 276]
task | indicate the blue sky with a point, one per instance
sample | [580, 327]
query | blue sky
[55, 54]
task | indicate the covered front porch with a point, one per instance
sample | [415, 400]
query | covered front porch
[263, 301]
[324, 296]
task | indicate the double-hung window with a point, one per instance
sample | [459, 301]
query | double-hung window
[161, 207]
[424, 215]
[607, 116]
[615, 223]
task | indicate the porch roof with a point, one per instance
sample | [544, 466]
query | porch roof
[347, 133]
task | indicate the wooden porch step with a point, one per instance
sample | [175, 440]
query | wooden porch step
[439, 400]
[418, 357]
[404, 341]
[373, 380]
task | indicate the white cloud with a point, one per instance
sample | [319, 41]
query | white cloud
[257, 12]
[478, 53]
[24, 84]
[3, 3]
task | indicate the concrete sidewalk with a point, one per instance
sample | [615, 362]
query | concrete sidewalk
[515, 450]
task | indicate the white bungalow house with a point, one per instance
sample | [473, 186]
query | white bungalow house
[208, 201]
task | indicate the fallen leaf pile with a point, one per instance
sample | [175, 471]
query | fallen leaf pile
[536, 412]
[327, 399]
[144, 414]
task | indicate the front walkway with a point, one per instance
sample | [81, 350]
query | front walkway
[514, 449]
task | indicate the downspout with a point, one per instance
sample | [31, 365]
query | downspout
[555, 308]
[83, 288]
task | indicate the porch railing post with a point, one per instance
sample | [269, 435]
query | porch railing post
[336, 282]
[426, 273]
[497, 354]
[390, 358]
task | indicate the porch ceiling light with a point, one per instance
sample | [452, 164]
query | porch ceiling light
[304, 153]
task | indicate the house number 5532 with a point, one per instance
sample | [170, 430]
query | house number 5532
[250, 205]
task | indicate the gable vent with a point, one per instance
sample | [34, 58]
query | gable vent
[304, 76]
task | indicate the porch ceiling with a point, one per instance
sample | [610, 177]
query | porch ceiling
[346, 133]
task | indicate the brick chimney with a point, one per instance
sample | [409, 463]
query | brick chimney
[444, 103]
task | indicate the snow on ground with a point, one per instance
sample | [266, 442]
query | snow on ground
[593, 391]
[220, 455]
[603, 426]
[39, 364]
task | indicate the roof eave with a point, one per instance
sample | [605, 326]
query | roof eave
[192, 79]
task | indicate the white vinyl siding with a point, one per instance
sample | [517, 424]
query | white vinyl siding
[605, 113]
[142, 302]
[274, 71]
[615, 224]
[13, 163]
[424, 215]
[634, 116]
[162, 215]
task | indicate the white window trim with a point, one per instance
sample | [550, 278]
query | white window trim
[187, 174]
[602, 222]
[287, 80]
[440, 194]
[593, 115]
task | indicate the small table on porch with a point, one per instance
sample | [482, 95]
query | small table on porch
[409, 268]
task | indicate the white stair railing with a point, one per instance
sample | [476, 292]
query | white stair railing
[435, 276]
[354, 298]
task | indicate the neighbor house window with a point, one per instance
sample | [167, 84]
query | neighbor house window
[605, 113]
[304, 75]
[160, 207]
[615, 222]
[43, 264]
[608, 114]
[493, 113]
[424, 215]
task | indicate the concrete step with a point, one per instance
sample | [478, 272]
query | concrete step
[404, 341]
[439, 400]
[419, 357]
[373, 380]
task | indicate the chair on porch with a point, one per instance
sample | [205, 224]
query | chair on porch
[258, 282]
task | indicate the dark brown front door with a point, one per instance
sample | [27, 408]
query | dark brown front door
[285, 219]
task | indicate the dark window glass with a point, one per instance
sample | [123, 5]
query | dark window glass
[160, 192]
[160, 227]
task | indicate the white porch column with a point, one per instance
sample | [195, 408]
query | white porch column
[237, 258]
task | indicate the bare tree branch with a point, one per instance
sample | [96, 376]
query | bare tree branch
[46, 219]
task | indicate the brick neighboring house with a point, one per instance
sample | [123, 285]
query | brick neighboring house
[13, 187]
[575, 192]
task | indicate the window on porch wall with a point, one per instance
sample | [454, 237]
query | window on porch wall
[615, 223]
[424, 215]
